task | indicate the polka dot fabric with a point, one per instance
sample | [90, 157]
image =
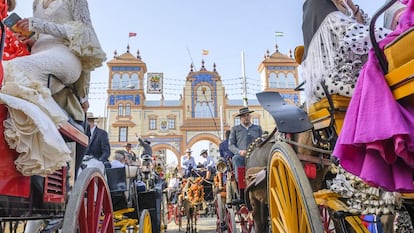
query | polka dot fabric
[344, 44]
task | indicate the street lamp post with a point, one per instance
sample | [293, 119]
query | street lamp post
[106, 114]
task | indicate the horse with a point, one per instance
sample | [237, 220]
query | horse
[256, 178]
[191, 197]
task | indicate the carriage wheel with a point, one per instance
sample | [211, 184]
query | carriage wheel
[164, 211]
[231, 222]
[219, 206]
[176, 212]
[170, 212]
[145, 222]
[292, 207]
[178, 217]
[328, 223]
[89, 207]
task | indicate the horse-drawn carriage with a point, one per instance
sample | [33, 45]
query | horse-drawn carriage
[295, 184]
[112, 200]
[230, 206]
[194, 199]
[64, 200]
[85, 206]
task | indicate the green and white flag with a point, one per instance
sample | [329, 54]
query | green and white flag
[278, 34]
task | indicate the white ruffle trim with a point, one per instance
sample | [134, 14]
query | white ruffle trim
[84, 43]
[35, 137]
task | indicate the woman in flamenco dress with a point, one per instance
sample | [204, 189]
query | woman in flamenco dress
[65, 46]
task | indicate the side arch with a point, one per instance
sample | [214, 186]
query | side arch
[205, 136]
[199, 137]
[167, 147]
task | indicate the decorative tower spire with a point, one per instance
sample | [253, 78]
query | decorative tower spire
[267, 53]
[214, 67]
[138, 54]
[127, 48]
[115, 53]
[277, 48]
[290, 53]
[191, 67]
[202, 65]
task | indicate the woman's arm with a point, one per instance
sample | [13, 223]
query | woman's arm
[80, 14]
[349, 8]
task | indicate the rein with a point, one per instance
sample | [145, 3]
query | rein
[312, 148]
[199, 175]
[260, 142]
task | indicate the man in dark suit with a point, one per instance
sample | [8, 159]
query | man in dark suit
[98, 146]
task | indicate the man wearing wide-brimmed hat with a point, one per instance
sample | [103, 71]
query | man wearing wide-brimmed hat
[188, 163]
[208, 164]
[241, 136]
[98, 146]
[130, 156]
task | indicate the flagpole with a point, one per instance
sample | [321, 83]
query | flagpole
[275, 40]
[244, 80]
[278, 34]
[131, 34]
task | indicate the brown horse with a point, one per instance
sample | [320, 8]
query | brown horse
[256, 178]
[191, 198]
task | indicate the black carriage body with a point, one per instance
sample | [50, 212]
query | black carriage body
[151, 200]
[140, 194]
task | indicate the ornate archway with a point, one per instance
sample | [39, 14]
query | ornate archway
[204, 136]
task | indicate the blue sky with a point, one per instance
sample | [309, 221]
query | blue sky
[171, 35]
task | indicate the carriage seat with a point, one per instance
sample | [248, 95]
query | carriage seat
[288, 118]
[320, 114]
[116, 178]
[117, 182]
[400, 57]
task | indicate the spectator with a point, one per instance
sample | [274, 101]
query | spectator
[172, 188]
[188, 163]
[98, 146]
[130, 156]
[241, 136]
[119, 159]
[209, 164]
[146, 145]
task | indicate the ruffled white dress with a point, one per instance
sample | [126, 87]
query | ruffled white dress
[336, 55]
[66, 44]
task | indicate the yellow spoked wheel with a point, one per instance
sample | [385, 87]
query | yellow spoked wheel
[292, 207]
[145, 222]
